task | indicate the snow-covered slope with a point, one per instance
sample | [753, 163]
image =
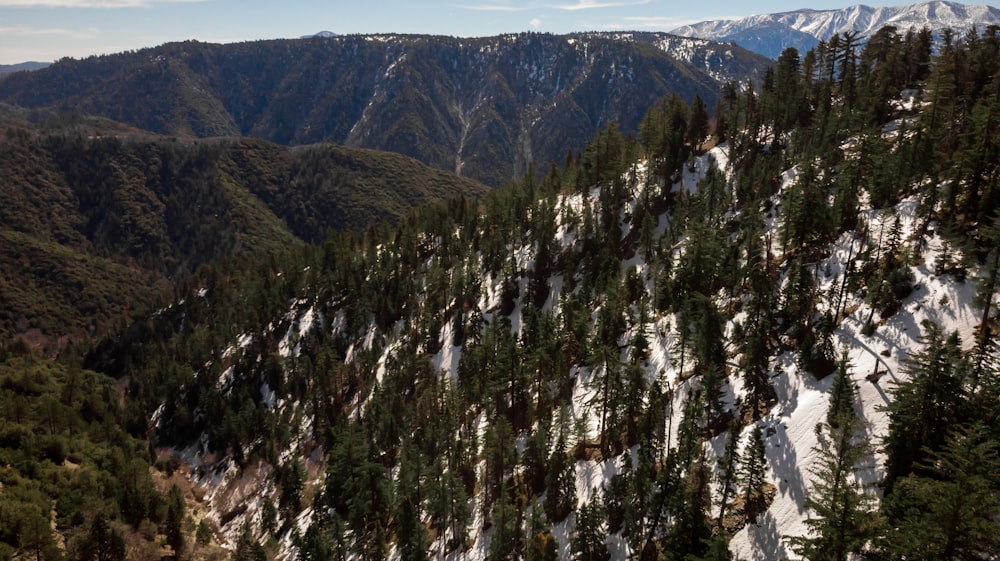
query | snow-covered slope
[789, 426]
[877, 364]
[769, 34]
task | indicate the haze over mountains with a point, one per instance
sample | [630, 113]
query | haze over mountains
[769, 34]
[28, 66]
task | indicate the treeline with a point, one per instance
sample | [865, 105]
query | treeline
[563, 285]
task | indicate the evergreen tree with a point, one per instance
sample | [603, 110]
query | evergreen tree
[103, 543]
[926, 405]
[588, 542]
[754, 472]
[560, 478]
[175, 520]
[697, 129]
[716, 549]
[507, 538]
[411, 535]
[727, 471]
[842, 518]
[541, 544]
[949, 514]
[690, 530]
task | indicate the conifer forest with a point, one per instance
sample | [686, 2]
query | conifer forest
[760, 329]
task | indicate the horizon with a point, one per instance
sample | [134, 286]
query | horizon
[48, 30]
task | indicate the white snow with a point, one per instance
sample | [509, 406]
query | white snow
[789, 428]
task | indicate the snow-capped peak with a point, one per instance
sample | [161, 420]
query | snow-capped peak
[769, 34]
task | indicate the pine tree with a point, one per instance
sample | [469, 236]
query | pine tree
[842, 519]
[716, 549]
[697, 128]
[926, 405]
[560, 478]
[247, 549]
[103, 542]
[754, 472]
[175, 520]
[691, 530]
[411, 535]
[606, 362]
[726, 472]
[541, 544]
[949, 514]
[986, 286]
[507, 539]
[588, 542]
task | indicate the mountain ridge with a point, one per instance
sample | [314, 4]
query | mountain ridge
[92, 194]
[487, 108]
[769, 34]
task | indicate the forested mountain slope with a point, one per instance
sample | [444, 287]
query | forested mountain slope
[486, 108]
[781, 347]
[96, 215]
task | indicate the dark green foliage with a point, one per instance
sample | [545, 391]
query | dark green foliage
[102, 542]
[948, 513]
[541, 544]
[560, 482]
[753, 473]
[247, 549]
[356, 487]
[507, 537]
[175, 520]
[68, 461]
[727, 473]
[926, 406]
[690, 529]
[290, 478]
[107, 219]
[588, 540]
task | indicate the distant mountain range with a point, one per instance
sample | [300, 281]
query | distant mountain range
[485, 108]
[29, 66]
[769, 34]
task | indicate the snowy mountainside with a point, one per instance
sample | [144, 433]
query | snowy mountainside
[769, 34]
[239, 494]
[877, 365]
[724, 62]
[692, 344]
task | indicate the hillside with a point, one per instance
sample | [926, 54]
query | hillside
[96, 215]
[769, 34]
[485, 108]
[775, 343]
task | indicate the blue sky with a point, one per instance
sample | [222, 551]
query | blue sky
[46, 30]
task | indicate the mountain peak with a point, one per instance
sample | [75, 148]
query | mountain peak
[320, 35]
[769, 34]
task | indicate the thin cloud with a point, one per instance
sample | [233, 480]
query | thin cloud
[535, 23]
[88, 33]
[592, 4]
[656, 22]
[492, 7]
[103, 4]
